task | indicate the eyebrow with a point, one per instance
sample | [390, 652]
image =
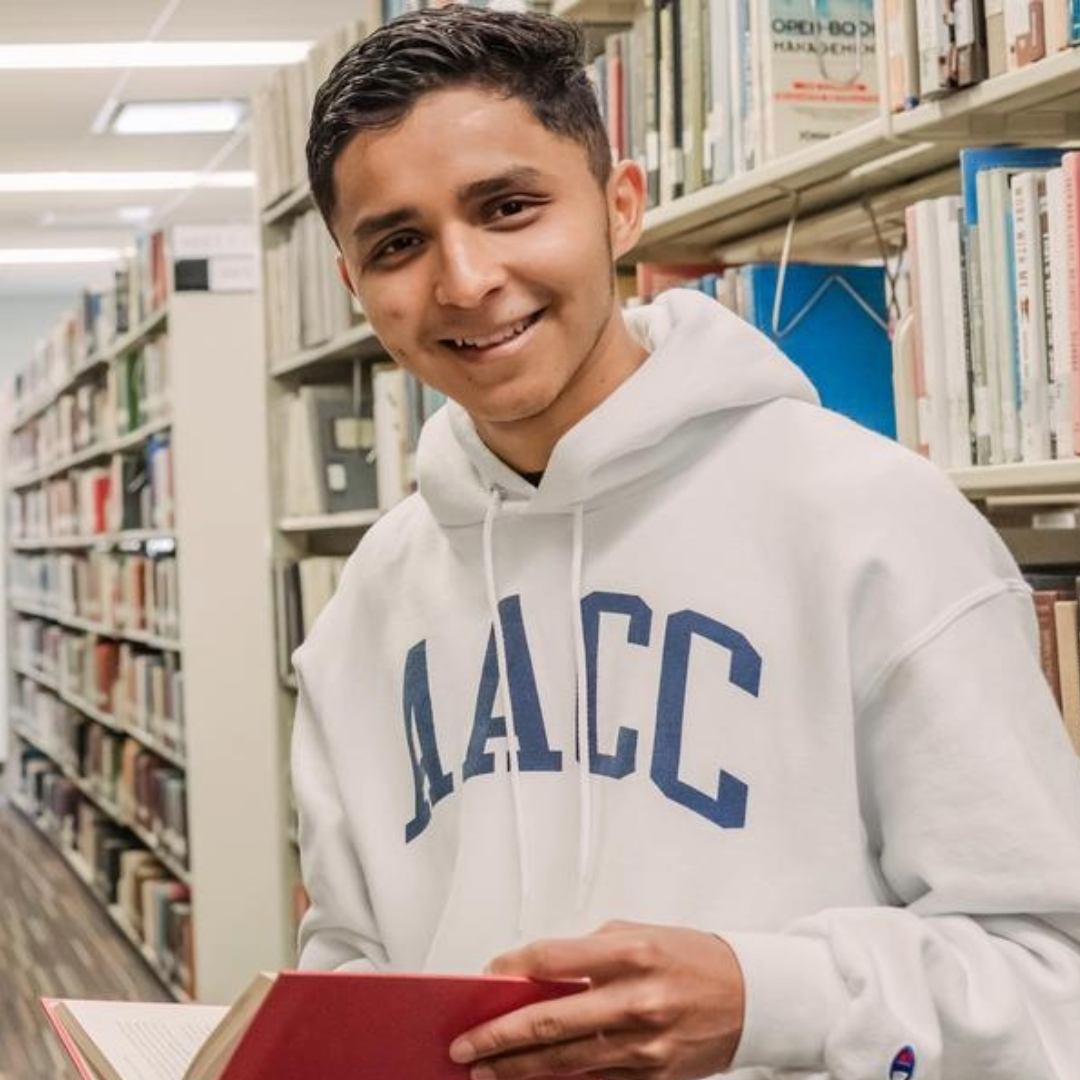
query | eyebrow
[519, 176]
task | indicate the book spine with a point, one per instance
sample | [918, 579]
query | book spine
[1028, 313]
[1070, 167]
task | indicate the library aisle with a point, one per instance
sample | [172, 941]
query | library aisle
[39, 954]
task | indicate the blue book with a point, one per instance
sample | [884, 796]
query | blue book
[834, 325]
[1013, 158]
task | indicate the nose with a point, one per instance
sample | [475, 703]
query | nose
[469, 269]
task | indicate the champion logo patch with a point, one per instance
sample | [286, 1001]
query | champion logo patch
[903, 1065]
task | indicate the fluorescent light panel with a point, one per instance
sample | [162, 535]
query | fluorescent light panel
[57, 256]
[152, 54]
[177, 117]
[39, 182]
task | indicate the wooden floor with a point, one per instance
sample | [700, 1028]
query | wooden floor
[54, 940]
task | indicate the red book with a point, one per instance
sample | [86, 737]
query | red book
[298, 1025]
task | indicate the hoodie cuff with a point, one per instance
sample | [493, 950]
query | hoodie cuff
[794, 998]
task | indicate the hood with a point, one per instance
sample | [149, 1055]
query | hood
[703, 359]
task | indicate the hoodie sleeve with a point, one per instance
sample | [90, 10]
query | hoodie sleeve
[338, 930]
[971, 800]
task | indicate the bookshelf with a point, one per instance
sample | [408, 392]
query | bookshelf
[891, 161]
[177, 688]
[326, 373]
[882, 164]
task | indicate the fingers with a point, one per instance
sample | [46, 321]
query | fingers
[545, 1024]
[613, 950]
[606, 1055]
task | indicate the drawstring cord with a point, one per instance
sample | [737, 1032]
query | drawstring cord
[494, 504]
[583, 717]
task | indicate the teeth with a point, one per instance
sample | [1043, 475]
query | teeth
[493, 339]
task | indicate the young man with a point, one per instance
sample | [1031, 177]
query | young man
[660, 641]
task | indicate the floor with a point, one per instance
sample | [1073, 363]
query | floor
[54, 940]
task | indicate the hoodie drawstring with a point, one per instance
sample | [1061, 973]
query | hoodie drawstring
[583, 717]
[494, 504]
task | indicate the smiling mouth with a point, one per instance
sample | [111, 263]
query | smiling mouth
[500, 337]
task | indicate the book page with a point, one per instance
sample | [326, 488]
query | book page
[140, 1040]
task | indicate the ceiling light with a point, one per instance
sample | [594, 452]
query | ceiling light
[152, 54]
[177, 117]
[134, 215]
[39, 182]
[56, 256]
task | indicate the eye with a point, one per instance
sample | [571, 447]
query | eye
[394, 247]
[511, 207]
[517, 207]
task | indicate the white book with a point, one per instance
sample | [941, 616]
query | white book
[1058, 316]
[933, 19]
[318, 580]
[1025, 36]
[1030, 319]
[816, 76]
[995, 268]
[391, 434]
[300, 493]
[954, 358]
[931, 315]
[903, 58]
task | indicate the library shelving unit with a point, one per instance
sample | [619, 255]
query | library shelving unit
[336, 408]
[843, 199]
[145, 727]
[884, 164]
[312, 537]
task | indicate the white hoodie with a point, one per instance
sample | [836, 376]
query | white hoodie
[815, 723]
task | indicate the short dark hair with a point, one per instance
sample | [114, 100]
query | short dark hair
[539, 59]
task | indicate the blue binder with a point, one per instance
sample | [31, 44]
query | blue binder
[833, 323]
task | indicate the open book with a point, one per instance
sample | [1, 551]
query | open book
[294, 1026]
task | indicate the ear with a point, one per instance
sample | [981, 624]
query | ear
[343, 273]
[626, 206]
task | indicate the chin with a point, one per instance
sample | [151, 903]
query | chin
[519, 412]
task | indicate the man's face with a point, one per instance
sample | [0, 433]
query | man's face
[481, 248]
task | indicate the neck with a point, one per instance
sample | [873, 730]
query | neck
[526, 445]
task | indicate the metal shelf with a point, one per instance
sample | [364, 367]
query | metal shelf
[356, 519]
[91, 453]
[77, 543]
[1020, 479]
[357, 343]
[287, 206]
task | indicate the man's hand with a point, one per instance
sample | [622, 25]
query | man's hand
[663, 1003]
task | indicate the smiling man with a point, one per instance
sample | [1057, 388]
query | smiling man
[485, 259]
[667, 678]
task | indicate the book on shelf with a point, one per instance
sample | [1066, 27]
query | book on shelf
[1067, 645]
[307, 305]
[280, 111]
[901, 28]
[302, 587]
[652, 278]
[1055, 591]
[1020, 354]
[941, 387]
[303, 1025]
[329, 441]
[852, 371]
[815, 71]
[138, 891]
